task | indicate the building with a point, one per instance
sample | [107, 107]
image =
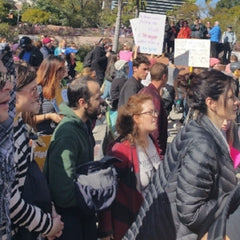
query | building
[161, 7]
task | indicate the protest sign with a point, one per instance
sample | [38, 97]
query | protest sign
[148, 32]
[134, 24]
[40, 151]
[192, 52]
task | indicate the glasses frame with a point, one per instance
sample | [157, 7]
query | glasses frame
[152, 113]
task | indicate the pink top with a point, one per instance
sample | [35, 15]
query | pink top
[125, 55]
[235, 155]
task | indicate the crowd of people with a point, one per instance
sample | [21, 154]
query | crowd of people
[220, 41]
[41, 94]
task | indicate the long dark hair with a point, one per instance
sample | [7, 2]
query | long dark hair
[208, 84]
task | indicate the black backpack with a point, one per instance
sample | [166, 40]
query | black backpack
[96, 185]
[88, 59]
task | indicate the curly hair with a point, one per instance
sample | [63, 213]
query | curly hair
[126, 126]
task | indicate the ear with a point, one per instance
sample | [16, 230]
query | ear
[211, 104]
[135, 68]
[136, 118]
[82, 102]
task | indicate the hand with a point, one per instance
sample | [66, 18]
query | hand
[108, 54]
[205, 237]
[57, 228]
[54, 213]
[54, 117]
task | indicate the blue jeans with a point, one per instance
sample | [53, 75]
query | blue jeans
[107, 89]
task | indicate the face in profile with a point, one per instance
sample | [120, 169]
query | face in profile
[5, 88]
[93, 108]
[146, 120]
[27, 99]
[227, 108]
[140, 72]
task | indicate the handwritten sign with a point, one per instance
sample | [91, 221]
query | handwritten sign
[148, 32]
[192, 52]
[40, 152]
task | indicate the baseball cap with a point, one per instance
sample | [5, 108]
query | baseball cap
[70, 50]
[234, 66]
[229, 26]
[119, 64]
[24, 41]
[46, 40]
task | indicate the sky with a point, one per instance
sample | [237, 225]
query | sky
[202, 2]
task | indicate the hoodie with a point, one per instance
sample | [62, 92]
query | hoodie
[72, 144]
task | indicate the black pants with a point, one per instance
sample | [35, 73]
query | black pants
[214, 49]
[77, 226]
[227, 50]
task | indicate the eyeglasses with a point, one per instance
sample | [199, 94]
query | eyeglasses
[4, 78]
[150, 113]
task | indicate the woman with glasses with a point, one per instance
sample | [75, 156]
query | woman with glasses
[31, 210]
[49, 76]
[140, 159]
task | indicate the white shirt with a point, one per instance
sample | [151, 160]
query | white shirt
[149, 161]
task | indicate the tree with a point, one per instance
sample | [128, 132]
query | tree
[118, 25]
[5, 7]
[227, 4]
[35, 16]
[188, 11]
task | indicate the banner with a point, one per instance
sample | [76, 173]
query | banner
[192, 52]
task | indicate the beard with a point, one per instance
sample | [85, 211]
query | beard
[92, 113]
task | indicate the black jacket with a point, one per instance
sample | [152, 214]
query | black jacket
[36, 57]
[131, 87]
[190, 189]
[206, 177]
[99, 63]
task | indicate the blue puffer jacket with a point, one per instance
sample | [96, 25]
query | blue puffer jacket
[204, 180]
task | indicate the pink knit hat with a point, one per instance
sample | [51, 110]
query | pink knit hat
[214, 61]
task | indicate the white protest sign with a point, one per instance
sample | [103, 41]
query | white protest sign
[134, 24]
[149, 32]
[192, 52]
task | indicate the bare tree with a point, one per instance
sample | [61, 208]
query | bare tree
[117, 26]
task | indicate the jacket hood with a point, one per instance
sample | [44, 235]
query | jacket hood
[65, 110]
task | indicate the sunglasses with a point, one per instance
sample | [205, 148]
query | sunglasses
[4, 78]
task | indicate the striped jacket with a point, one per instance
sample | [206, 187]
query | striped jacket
[22, 213]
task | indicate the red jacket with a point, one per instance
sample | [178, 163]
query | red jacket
[124, 209]
[185, 32]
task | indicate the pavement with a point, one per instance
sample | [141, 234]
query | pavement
[100, 130]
